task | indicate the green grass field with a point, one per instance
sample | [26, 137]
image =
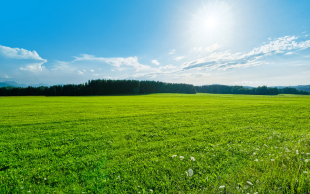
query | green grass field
[159, 143]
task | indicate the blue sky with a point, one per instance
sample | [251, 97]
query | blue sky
[199, 42]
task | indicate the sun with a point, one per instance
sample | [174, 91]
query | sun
[211, 23]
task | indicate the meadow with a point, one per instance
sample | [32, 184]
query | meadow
[157, 143]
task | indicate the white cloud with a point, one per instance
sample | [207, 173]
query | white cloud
[168, 67]
[80, 72]
[6, 76]
[193, 75]
[212, 48]
[179, 58]
[92, 70]
[289, 53]
[18, 53]
[304, 45]
[171, 52]
[202, 51]
[247, 82]
[29, 60]
[120, 63]
[227, 60]
[96, 75]
[34, 67]
[63, 66]
[196, 49]
[155, 62]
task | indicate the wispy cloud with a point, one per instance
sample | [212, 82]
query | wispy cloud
[193, 75]
[212, 48]
[227, 60]
[196, 49]
[63, 66]
[179, 58]
[119, 63]
[80, 72]
[6, 76]
[155, 62]
[289, 53]
[208, 49]
[168, 67]
[171, 52]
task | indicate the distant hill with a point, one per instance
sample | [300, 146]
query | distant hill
[14, 84]
[299, 87]
[248, 87]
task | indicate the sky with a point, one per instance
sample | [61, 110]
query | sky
[200, 42]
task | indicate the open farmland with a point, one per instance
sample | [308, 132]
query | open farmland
[159, 143]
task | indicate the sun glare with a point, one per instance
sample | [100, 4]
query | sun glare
[210, 22]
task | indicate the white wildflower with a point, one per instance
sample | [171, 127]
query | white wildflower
[249, 183]
[151, 190]
[190, 172]
[256, 193]
[287, 150]
[305, 172]
[174, 156]
[221, 187]
[29, 191]
[272, 160]
[45, 178]
[308, 153]
[193, 159]
[256, 160]
[181, 157]
[254, 153]
[22, 188]
[297, 152]
[265, 145]
[306, 160]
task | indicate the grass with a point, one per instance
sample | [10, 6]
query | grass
[132, 144]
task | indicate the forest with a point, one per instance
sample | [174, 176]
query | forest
[135, 87]
[101, 87]
[261, 90]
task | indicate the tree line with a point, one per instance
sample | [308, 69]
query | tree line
[261, 90]
[101, 87]
[134, 87]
